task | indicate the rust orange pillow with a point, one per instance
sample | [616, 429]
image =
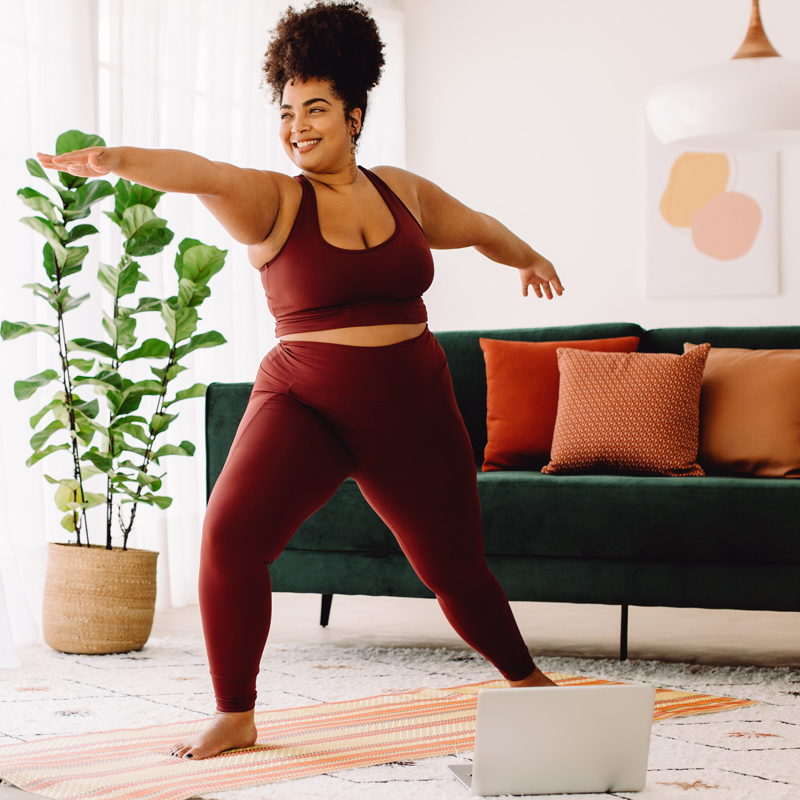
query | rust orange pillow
[522, 398]
[750, 412]
[634, 413]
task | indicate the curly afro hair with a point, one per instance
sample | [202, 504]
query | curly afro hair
[333, 41]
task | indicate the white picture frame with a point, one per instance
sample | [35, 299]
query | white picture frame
[709, 234]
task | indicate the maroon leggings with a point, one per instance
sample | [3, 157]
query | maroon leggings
[319, 413]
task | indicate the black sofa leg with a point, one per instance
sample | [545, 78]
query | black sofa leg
[325, 612]
[623, 635]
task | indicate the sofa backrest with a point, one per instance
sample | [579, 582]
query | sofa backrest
[465, 357]
[226, 402]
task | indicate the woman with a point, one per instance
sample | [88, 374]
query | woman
[357, 386]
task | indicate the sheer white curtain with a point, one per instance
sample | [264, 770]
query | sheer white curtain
[148, 73]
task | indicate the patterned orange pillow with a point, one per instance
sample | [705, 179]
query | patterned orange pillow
[628, 412]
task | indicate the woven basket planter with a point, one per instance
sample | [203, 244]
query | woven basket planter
[98, 600]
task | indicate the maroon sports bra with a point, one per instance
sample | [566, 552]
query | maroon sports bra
[312, 285]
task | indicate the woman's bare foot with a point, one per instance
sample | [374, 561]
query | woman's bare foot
[536, 678]
[226, 731]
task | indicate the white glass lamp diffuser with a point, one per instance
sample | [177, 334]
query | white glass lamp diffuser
[751, 102]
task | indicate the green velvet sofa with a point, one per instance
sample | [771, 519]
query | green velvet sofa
[711, 542]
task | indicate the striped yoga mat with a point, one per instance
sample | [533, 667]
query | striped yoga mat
[134, 763]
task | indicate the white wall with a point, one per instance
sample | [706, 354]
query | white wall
[533, 111]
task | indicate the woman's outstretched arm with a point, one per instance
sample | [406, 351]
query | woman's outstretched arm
[449, 224]
[245, 201]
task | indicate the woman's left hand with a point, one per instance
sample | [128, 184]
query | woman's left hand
[542, 276]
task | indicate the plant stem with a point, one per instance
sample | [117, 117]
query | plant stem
[159, 409]
[78, 519]
[111, 417]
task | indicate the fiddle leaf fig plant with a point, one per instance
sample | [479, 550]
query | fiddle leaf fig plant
[115, 439]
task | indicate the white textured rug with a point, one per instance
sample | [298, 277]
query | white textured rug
[752, 752]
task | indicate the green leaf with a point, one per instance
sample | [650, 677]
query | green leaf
[145, 232]
[68, 302]
[39, 438]
[128, 448]
[200, 263]
[151, 348]
[36, 169]
[38, 202]
[88, 424]
[208, 339]
[148, 304]
[25, 389]
[77, 140]
[121, 330]
[129, 277]
[143, 388]
[106, 379]
[113, 217]
[181, 323]
[43, 227]
[11, 330]
[89, 409]
[49, 261]
[172, 372]
[156, 500]
[92, 192]
[131, 194]
[37, 417]
[92, 499]
[45, 292]
[192, 294]
[68, 522]
[198, 390]
[79, 231]
[74, 260]
[184, 449]
[103, 461]
[137, 431]
[81, 364]
[108, 277]
[161, 422]
[92, 346]
[46, 452]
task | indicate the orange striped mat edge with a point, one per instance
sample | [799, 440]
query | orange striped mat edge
[135, 764]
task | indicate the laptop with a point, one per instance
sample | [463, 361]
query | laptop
[560, 740]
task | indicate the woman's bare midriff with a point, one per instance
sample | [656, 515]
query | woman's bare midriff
[364, 336]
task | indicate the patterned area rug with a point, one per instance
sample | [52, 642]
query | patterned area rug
[751, 750]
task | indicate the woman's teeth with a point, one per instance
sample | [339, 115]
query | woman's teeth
[304, 145]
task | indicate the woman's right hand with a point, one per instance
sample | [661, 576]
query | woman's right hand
[91, 162]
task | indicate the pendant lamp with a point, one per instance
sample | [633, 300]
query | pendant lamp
[751, 102]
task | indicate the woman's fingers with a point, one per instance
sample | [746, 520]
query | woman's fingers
[86, 163]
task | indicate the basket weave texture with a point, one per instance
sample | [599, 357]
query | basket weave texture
[98, 600]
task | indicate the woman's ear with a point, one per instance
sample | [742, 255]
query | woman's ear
[355, 120]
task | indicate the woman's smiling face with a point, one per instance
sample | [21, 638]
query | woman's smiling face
[314, 131]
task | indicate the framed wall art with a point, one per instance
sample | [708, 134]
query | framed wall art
[711, 222]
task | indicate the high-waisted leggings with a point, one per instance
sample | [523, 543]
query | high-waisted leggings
[318, 413]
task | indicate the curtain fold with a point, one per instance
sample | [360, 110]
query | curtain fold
[180, 74]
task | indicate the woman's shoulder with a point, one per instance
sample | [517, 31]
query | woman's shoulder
[291, 193]
[404, 184]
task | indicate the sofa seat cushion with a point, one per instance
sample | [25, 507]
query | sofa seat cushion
[641, 518]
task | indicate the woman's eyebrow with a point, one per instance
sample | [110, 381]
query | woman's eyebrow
[308, 102]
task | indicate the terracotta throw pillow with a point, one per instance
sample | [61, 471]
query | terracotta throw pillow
[628, 412]
[750, 412]
[522, 398]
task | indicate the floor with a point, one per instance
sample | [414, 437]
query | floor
[702, 636]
